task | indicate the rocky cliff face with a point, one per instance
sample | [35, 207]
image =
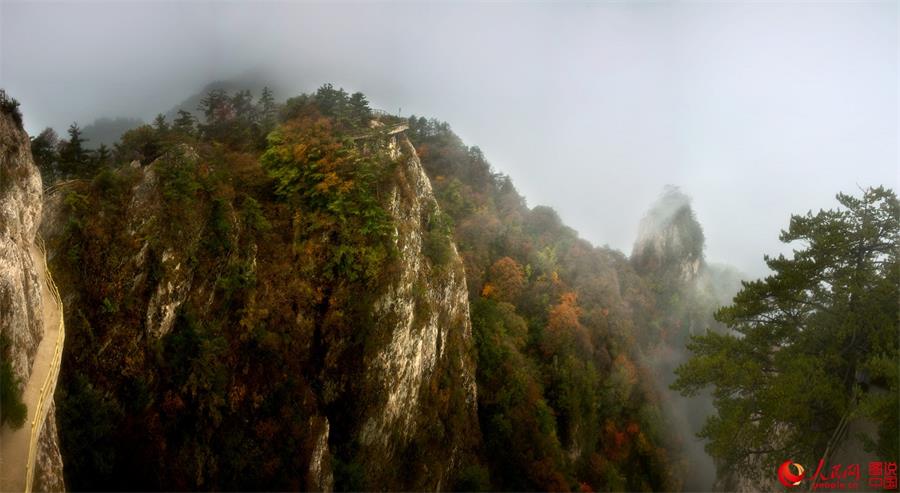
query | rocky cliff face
[20, 216]
[375, 389]
[425, 311]
[21, 304]
[669, 254]
[670, 240]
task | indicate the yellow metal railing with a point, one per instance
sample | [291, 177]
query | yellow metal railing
[46, 396]
[381, 132]
[59, 185]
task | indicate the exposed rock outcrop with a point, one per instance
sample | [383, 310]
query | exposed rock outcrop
[425, 311]
[48, 474]
[21, 303]
[670, 240]
[20, 215]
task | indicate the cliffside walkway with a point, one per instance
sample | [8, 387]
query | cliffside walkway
[18, 448]
[381, 132]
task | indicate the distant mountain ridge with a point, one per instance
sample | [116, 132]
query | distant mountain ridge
[247, 82]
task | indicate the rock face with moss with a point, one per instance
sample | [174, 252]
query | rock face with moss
[21, 324]
[426, 369]
[20, 216]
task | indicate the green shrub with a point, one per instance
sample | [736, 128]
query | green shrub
[436, 247]
[12, 409]
[436, 243]
[473, 478]
[9, 106]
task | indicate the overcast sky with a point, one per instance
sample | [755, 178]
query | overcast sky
[756, 109]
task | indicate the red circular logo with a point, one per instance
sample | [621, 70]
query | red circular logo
[787, 475]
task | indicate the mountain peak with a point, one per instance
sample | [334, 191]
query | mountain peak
[670, 240]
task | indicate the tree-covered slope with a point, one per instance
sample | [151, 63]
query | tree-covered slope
[294, 296]
[565, 398]
[261, 314]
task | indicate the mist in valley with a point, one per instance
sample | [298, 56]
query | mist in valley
[681, 136]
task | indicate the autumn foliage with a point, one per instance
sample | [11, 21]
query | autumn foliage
[557, 324]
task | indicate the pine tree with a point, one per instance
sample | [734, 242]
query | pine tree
[242, 102]
[45, 150]
[101, 157]
[185, 122]
[73, 157]
[359, 110]
[813, 346]
[332, 102]
[215, 106]
[160, 123]
[267, 110]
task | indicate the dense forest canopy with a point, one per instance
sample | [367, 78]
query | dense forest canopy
[286, 208]
[563, 401]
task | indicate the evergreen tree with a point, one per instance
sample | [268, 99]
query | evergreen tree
[101, 157]
[359, 111]
[216, 106]
[230, 120]
[10, 106]
[267, 110]
[332, 102]
[813, 346]
[184, 122]
[44, 149]
[242, 102]
[73, 157]
[160, 123]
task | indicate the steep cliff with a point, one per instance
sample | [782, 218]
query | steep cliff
[670, 240]
[316, 301]
[669, 255]
[565, 399]
[20, 206]
[222, 342]
[22, 323]
[427, 369]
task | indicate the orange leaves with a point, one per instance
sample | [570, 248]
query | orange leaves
[564, 329]
[488, 290]
[312, 141]
[331, 181]
[633, 428]
[564, 316]
[299, 150]
[616, 443]
[506, 280]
